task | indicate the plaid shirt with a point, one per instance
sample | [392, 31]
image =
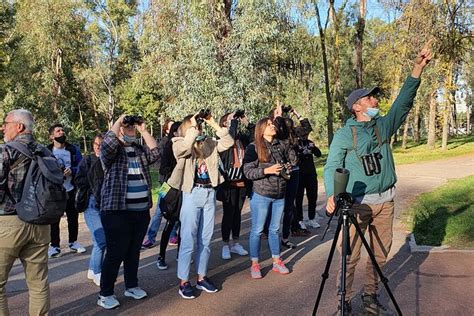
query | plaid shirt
[13, 169]
[115, 162]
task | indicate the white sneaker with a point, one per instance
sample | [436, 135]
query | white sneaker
[96, 279]
[90, 274]
[225, 252]
[108, 302]
[54, 252]
[135, 292]
[302, 225]
[238, 249]
[76, 247]
[313, 223]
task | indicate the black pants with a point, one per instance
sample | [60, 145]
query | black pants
[124, 233]
[165, 237]
[72, 222]
[232, 213]
[308, 182]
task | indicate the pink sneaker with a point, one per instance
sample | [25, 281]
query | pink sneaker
[255, 271]
[280, 267]
[173, 241]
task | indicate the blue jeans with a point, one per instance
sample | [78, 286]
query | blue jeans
[197, 227]
[94, 223]
[259, 207]
[155, 222]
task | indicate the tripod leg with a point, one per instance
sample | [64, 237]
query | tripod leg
[325, 274]
[375, 264]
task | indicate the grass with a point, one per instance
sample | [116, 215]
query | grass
[445, 216]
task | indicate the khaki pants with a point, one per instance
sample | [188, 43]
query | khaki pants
[380, 219]
[29, 243]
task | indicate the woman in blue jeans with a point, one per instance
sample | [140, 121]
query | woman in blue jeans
[263, 166]
[196, 175]
[89, 178]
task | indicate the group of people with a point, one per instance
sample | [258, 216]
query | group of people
[270, 162]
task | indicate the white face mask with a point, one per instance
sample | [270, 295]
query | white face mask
[129, 139]
[372, 112]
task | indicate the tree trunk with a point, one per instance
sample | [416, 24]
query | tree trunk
[432, 121]
[468, 119]
[416, 124]
[405, 132]
[330, 117]
[359, 38]
[447, 106]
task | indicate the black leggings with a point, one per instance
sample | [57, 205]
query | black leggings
[232, 210]
[165, 237]
[308, 182]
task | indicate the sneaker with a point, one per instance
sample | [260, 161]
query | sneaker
[173, 241]
[288, 244]
[76, 247]
[372, 306]
[186, 291]
[347, 309]
[90, 274]
[255, 271]
[280, 267]
[96, 279]
[300, 232]
[54, 252]
[238, 249]
[135, 292]
[226, 252]
[161, 264]
[302, 225]
[313, 223]
[206, 285]
[147, 244]
[108, 302]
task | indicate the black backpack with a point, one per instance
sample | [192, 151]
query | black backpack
[43, 200]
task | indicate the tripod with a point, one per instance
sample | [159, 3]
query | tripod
[343, 206]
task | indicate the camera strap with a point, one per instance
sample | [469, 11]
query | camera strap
[354, 140]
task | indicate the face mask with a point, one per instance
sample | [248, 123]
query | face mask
[372, 112]
[201, 138]
[60, 139]
[129, 139]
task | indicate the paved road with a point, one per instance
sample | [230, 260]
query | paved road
[424, 284]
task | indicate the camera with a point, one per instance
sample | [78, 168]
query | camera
[202, 115]
[371, 163]
[284, 172]
[239, 114]
[131, 120]
[286, 108]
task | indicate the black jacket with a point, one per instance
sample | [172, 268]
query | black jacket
[272, 186]
[305, 151]
[90, 176]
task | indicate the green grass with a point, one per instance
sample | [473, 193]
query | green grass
[457, 146]
[445, 216]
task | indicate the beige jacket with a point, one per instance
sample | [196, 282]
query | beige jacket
[183, 174]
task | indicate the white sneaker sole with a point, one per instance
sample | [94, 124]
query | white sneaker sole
[202, 288]
[77, 250]
[186, 297]
[107, 307]
[162, 268]
[240, 253]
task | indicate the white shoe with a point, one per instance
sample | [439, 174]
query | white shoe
[313, 223]
[90, 274]
[76, 247]
[96, 279]
[238, 249]
[302, 225]
[225, 252]
[135, 292]
[108, 302]
[54, 252]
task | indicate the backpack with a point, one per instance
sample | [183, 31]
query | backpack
[43, 200]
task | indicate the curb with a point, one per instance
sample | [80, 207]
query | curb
[431, 249]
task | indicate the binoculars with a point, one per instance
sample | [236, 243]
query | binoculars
[203, 114]
[371, 163]
[239, 114]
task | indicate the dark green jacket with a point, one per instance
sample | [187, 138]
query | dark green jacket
[342, 153]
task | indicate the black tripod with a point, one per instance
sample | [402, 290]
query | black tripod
[343, 206]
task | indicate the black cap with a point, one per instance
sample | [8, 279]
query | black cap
[359, 93]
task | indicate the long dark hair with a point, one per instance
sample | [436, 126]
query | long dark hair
[260, 147]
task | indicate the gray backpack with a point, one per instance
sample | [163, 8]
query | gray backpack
[43, 200]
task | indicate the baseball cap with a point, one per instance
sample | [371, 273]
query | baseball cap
[359, 93]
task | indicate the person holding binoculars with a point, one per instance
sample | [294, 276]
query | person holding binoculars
[125, 204]
[197, 175]
[262, 166]
[363, 147]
